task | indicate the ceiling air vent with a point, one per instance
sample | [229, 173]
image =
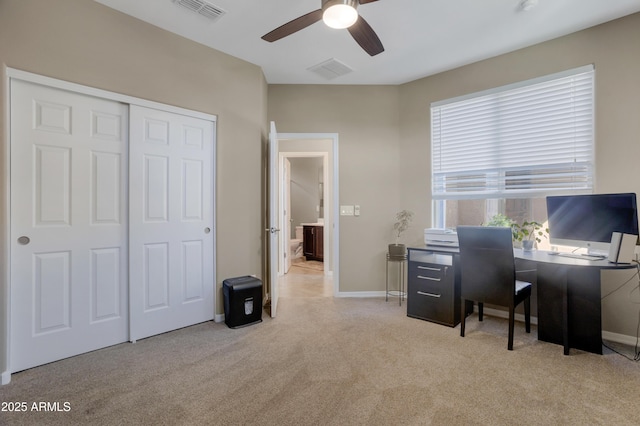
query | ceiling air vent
[203, 8]
[330, 69]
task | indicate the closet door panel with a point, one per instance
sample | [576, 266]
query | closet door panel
[68, 224]
[172, 280]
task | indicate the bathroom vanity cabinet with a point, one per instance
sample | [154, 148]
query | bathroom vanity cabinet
[313, 242]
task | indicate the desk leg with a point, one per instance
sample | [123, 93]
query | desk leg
[565, 318]
[386, 297]
[553, 303]
[569, 307]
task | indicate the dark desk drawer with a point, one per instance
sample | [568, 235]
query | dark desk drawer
[430, 271]
[429, 303]
[432, 278]
[431, 291]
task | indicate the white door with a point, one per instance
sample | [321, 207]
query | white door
[273, 231]
[171, 242]
[68, 224]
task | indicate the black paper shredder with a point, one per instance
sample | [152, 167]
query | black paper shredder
[242, 301]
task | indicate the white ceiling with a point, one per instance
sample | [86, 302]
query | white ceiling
[421, 37]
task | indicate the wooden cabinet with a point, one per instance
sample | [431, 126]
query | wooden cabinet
[313, 242]
[433, 287]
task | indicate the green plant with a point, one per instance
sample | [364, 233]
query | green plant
[403, 220]
[529, 230]
[500, 220]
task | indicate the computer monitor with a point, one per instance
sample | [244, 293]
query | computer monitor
[589, 220]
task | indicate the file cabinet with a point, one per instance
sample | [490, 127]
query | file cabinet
[433, 286]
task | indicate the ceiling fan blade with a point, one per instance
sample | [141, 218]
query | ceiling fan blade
[366, 1]
[362, 33]
[292, 26]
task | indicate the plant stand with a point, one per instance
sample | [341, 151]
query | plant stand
[400, 293]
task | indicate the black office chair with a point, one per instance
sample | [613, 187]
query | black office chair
[488, 274]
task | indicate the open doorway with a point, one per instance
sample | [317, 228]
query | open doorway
[302, 207]
[308, 203]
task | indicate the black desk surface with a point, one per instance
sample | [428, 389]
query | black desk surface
[544, 257]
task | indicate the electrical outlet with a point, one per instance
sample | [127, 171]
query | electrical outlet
[356, 210]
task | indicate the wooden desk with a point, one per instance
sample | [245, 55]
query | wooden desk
[569, 299]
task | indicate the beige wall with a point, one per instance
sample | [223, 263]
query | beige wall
[84, 42]
[366, 120]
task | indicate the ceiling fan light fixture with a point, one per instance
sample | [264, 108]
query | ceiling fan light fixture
[339, 13]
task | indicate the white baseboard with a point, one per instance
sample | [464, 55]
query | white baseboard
[361, 294]
[6, 377]
[218, 318]
[619, 338]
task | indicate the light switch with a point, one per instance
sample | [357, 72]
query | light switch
[346, 210]
[356, 210]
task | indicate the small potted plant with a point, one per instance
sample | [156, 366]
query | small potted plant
[403, 220]
[501, 220]
[529, 232]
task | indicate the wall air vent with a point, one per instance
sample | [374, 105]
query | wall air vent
[203, 8]
[330, 69]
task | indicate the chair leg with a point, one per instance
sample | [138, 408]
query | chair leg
[469, 307]
[480, 311]
[527, 314]
[511, 327]
[463, 307]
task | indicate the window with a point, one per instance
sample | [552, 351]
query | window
[505, 149]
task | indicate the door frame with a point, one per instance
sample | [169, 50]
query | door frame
[285, 218]
[333, 212]
[5, 192]
[326, 192]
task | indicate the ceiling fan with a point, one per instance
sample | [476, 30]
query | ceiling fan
[336, 14]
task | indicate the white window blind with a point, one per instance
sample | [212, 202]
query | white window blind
[529, 139]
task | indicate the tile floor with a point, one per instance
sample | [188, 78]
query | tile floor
[304, 281]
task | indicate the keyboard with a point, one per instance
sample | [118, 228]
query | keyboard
[580, 256]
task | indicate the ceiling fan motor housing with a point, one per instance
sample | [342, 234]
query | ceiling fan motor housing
[328, 3]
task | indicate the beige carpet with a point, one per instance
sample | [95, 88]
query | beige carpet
[327, 361]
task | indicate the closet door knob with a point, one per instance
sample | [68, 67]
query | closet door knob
[24, 240]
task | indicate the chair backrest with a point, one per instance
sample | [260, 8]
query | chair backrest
[487, 266]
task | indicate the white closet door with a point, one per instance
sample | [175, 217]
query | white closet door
[68, 224]
[171, 221]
